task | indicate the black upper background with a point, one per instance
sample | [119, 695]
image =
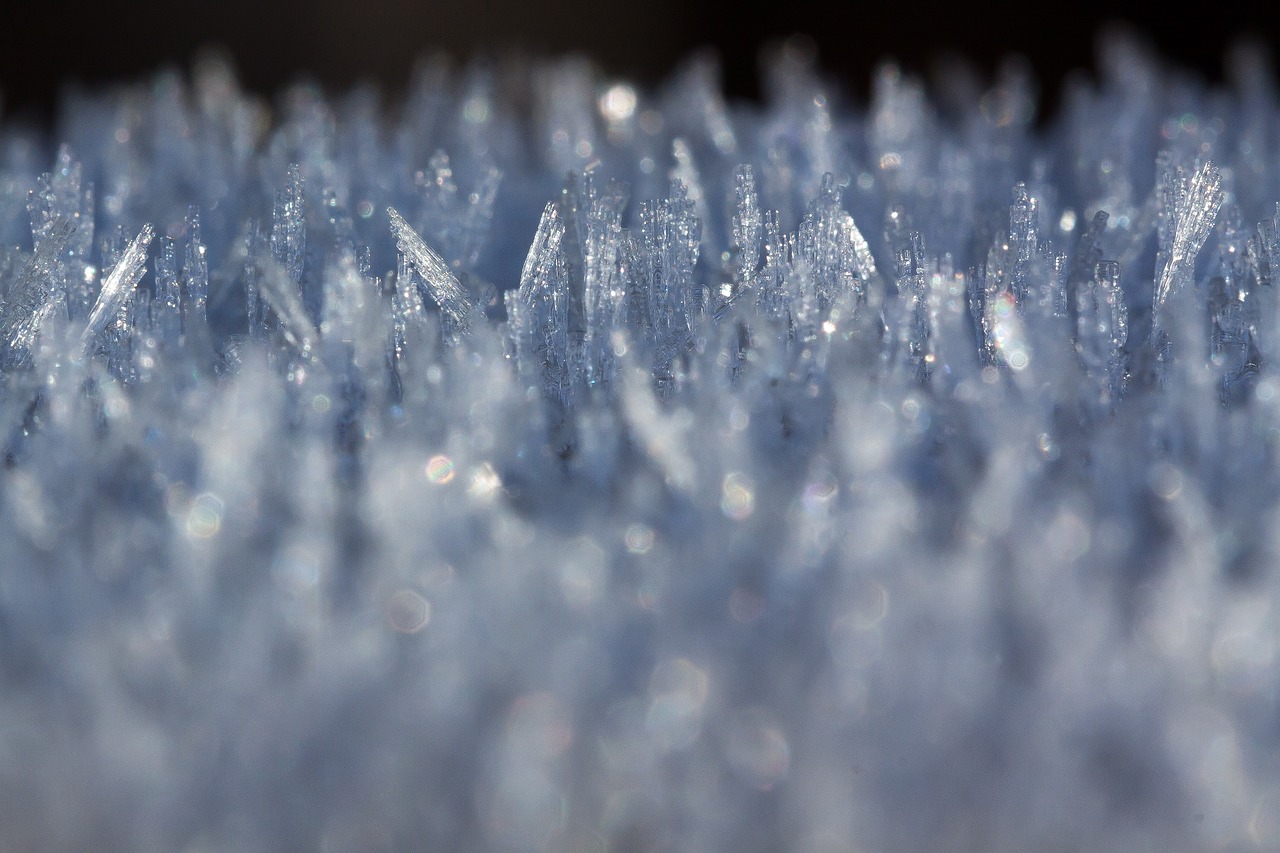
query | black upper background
[46, 45]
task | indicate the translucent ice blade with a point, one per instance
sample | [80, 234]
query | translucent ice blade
[1264, 264]
[439, 218]
[915, 330]
[670, 235]
[441, 283]
[542, 320]
[835, 249]
[603, 290]
[1085, 260]
[253, 245]
[1188, 209]
[748, 226]
[1264, 249]
[546, 244]
[119, 284]
[409, 314]
[167, 305]
[289, 226]
[1233, 304]
[29, 297]
[686, 172]
[900, 129]
[195, 267]
[477, 218]
[1102, 331]
[1023, 241]
[777, 249]
[278, 290]
[59, 196]
[697, 103]
[344, 300]
[565, 97]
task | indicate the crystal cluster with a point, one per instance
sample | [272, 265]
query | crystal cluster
[818, 478]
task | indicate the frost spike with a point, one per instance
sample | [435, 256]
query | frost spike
[28, 298]
[195, 267]
[747, 227]
[1084, 262]
[277, 288]
[835, 249]
[167, 305]
[119, 284]
[1188, 208]
[289, 226]
[1102, 331]
[441, 283]
[541, 324]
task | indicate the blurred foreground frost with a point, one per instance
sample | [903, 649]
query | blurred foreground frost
[816, 479]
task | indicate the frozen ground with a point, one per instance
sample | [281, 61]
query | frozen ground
[542, 463]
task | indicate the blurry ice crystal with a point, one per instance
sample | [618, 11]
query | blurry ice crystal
[547, 462]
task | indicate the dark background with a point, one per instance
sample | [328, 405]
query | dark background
[44, 45]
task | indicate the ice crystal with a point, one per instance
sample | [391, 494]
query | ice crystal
[29, 295]
[547, 462]
[1189, 205]
[118, 285]
[441, 284]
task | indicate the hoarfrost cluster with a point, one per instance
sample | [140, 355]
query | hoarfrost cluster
[544, 463]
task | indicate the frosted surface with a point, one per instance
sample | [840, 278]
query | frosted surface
[546, 463]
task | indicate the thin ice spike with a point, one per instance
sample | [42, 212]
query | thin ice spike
[1189, 206]
[119, 284]
[278, 290]
[441, 283]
